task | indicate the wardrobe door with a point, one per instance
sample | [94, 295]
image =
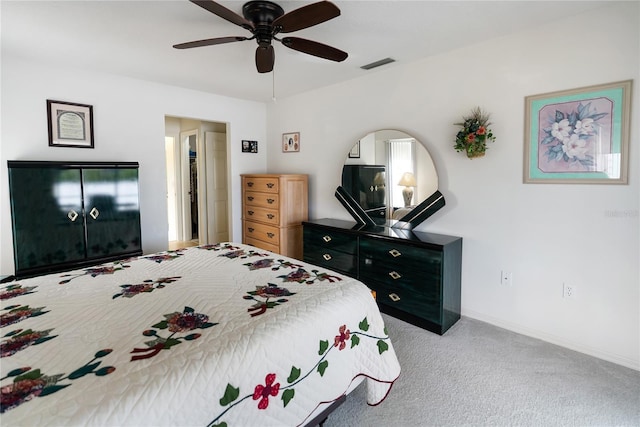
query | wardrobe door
[48, 226]
[112, 211]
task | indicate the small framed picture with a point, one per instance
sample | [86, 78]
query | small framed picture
[291, 142]
[70, 124]
[578, 136]
[249, 146]
[355, 151]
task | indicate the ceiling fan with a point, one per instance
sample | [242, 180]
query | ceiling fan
[265, 20]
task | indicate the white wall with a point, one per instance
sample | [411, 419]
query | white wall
[544, 234]
[129, 125]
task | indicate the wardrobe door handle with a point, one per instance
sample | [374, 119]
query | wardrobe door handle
[72, 215]
[95, 213]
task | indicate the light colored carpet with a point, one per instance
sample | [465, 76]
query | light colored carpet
[481, 375]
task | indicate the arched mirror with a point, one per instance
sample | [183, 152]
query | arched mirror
[388, 173]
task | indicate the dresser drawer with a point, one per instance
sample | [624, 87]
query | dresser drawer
[410, 297]
[332, 259]
[380, 256]
[267, 200]
[266, 233]
[268, 185]
[257, 213]
[328, 239]
[262, 245]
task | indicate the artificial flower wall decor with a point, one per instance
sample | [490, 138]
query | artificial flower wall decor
[475, 132]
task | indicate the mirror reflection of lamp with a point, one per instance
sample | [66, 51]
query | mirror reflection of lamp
[407, 181]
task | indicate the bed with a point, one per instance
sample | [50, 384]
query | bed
[214, 335]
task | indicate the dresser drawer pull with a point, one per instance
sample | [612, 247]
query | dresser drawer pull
[250, 212]
[394, 297]
[251, 229]
[270, 201]
[270, 235]
[326, 257]
[249, 184]
[395, 253]
[394, 275]
[270, 185]
[270, 216]
[250, 198]
[327, 239]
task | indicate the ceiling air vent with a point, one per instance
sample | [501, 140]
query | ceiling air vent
[378, 63]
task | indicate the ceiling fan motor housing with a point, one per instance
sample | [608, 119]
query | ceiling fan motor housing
[262, 14]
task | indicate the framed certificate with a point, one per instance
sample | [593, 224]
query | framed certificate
[70, 124]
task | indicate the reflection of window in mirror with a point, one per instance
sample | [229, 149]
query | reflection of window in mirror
[401, 158]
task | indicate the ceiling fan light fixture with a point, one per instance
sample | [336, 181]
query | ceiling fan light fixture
[379, 63]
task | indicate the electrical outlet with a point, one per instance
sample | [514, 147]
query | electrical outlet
[568, 291]
[506, 278]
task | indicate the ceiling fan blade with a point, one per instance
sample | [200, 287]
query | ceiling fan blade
[210, 42]
[306, 16]
[265, 58]
[223, 13]
[314, 48]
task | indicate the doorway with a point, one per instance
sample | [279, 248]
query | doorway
[197, 182]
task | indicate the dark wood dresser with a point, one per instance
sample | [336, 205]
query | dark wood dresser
[416, 275]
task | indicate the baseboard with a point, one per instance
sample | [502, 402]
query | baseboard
[553, 339]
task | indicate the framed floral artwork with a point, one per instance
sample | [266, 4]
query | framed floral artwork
[578, 136]
[291, 142]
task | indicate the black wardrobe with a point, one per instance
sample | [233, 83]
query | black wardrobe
[69, 215]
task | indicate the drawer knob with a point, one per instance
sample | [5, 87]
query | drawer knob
[270, 201]
[250, 212]
[270, 235]
[250, 198]
[72, 215]
[250, 229]
[249, 184]
[326, 257]
[395, 253]
[270, 185]
[270, 216]
[394, 297]
[327, 239]
[394, 275]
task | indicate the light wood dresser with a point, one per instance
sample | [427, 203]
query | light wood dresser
[273, 209]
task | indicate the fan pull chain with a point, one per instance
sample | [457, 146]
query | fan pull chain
[273, 85]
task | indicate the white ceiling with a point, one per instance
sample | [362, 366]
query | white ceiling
[135, 38]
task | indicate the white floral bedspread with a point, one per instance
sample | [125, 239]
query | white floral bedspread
[216, 335]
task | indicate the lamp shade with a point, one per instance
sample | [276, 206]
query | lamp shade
[408, 180]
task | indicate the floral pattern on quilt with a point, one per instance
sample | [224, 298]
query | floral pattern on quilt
[29, 383]
[20, 339]
[303, 276]
[272, 386]
[166, 256]
[18, 313]
[266, 295]
[271, 263]
[15, 290]
[175, 322]
[96, 271]
[130, 291]
[219, 247]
